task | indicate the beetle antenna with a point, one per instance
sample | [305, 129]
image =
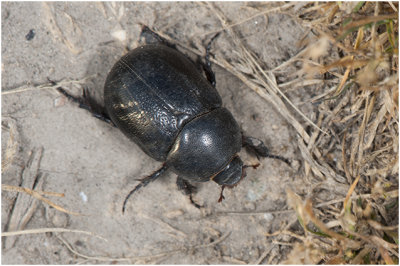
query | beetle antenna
[144, 182]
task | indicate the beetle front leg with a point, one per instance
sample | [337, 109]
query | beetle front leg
[258, 147]
[187, 189]
[85, 103]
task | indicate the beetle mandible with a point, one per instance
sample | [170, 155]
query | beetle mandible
[158, 98]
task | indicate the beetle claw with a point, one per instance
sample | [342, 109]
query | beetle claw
[187, 189]
[221, 196]
[194, 203]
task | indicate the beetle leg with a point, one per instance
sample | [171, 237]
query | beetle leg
[207, 65]
[144, 182]
[146, 31]
[187, 189]
[221, 195]
[84, 103]
[259, 149]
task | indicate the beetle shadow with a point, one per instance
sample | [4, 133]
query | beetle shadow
[107, 54]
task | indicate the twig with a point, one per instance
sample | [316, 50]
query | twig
[21, 189]
[50, 230]
[164, 224]
[263, 256]
[47, 86]
[129, 259]
[37, 195]
[233, 260]
[244, 213]
[341, 200]
[265, 12]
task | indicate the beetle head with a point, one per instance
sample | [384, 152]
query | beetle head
[232, 173]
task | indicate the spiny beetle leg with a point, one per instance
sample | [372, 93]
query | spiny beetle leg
[187, 189]
[85, 103]
[258, 147]
[144, 182]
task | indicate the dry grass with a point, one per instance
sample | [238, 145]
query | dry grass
[352, 148]
[361, 116]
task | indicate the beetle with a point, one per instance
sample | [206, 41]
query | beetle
[158, 98]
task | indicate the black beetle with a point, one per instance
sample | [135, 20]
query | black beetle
[157, 97]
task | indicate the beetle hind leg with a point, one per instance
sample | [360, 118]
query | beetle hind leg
[86, 103]
[187, 189]
[144, 182]
[258, 147]
[207, 65]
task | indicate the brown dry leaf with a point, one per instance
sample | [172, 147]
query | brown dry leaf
[321, 225]
[346, 203]
[296, 203]
[379, 226]
[318, 49]
[349, 62]
[305, 253]
[367, 75]
[368, 20]
[360, 256]
[338, 259]
[386, 257]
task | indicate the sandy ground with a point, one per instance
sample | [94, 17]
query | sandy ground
[61, 148]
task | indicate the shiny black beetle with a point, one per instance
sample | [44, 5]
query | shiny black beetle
[157, 97]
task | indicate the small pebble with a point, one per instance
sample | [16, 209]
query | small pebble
[59, 101]
[268, 217]
[83, 196]
[30, 35]
[120, 35]
[251, 195]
